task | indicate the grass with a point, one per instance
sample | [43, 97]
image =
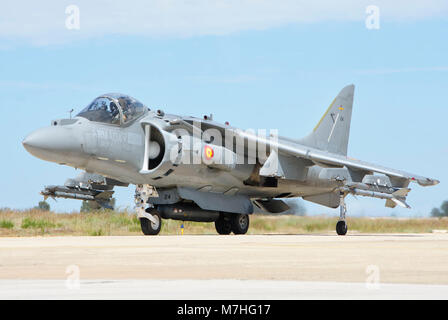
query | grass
[6, 224]
[104, 223]
[43, 224]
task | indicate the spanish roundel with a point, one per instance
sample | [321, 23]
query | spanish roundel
[209, 153]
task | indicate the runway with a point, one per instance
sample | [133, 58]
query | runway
[214, 289]
[226, 267]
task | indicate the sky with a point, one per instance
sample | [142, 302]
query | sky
[257, 64]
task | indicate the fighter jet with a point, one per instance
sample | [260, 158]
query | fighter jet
[197, 169]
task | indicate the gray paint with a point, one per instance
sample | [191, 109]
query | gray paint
[315, 168]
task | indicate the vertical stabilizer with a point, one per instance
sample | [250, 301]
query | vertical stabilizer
[332, 131]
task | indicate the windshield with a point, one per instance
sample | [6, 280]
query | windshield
[102, 109]
[132, 108]
[113, 109]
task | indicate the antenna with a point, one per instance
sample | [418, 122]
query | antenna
[210, 117]
[71, 111]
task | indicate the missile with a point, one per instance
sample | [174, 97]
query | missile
[76, 193]
[393, 196]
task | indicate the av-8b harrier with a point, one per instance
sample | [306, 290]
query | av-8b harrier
[196, 169]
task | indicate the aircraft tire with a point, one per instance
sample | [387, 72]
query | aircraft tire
[240, 223]
[223, 226]
[150, 228]
[341, 228]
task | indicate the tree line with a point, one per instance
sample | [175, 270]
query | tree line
[440, 212]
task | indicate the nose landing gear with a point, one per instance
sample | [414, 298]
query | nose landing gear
[150, 219]
[151, 226]
[341, 226]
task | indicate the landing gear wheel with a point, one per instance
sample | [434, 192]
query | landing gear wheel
[151, 228]
[222, 225]
[341, 228]
[240, 223]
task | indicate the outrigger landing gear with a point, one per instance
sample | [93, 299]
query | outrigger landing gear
[150, 220]
[341, 226]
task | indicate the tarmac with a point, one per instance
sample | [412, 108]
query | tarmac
[358, 266]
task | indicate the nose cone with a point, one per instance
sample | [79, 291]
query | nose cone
[40, 139]
[55, 144]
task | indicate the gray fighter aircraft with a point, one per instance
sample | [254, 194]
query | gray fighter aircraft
[196, 169]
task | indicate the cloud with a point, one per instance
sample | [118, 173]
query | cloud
[401, 70]
[41, 85]
[43, 22]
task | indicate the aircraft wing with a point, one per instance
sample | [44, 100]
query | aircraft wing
[324, 158]
[320, 157]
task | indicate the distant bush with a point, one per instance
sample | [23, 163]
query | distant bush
[43, 205]
[440, 212]
[6, 224]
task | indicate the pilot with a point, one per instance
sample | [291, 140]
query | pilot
[125, 107]
[114, 112]
[123, 103]
[113, 109]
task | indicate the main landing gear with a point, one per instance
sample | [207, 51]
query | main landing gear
[151, 219]
[341, 226]
[236, 223]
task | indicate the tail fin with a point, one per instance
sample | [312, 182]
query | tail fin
[333, 130]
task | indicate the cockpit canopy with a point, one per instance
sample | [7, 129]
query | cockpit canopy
[113, 108]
